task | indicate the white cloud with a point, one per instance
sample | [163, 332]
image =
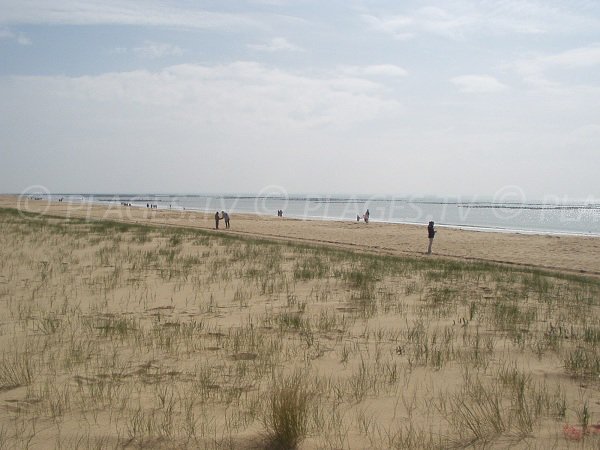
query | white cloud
[428, 20]
[271, 2]
[21, 39]
[583, 139]
[121, 12]
[231, 95]
[233, 126]
[542, 16]
[397, 26]
[156, 50]
[478, 84]
[535, 70]
[458, 19]
[276, 45]
[385, 70]
[577, 57]
[119, 50]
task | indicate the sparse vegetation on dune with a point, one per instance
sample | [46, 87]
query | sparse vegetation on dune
[127, 336]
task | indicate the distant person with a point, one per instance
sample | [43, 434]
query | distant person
[430, 235]
[217, 218]
[225, 217]
[358, 218]
[366, 216]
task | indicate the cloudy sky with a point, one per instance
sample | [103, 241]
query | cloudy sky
[341, 96]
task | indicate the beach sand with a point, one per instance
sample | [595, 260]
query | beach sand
[572, 254]
[157, 337]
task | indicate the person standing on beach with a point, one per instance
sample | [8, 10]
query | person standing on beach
[217, 218]
[226, 218]
[431, 235]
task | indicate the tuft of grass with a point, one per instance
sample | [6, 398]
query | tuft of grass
[310, 268]
[583, 362]
[292, 321]
[286, 416]
[16, 372]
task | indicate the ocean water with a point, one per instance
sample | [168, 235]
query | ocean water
[576, 218]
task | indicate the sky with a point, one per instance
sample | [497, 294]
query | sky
[446, 98]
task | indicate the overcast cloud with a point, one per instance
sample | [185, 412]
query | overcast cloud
[378, 97]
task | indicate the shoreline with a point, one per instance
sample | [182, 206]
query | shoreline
[574, 254]
[163, 204]
[483, 229]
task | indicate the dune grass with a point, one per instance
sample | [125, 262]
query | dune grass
[127, 336]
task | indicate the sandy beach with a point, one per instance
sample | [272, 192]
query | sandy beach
[573, 254]
[173, 336]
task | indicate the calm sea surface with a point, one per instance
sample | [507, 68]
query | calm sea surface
[582, 218]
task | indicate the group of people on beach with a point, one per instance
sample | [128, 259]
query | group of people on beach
[365, 217]
[224, 216]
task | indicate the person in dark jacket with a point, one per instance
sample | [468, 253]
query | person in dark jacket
[431, 235]
[217, 218]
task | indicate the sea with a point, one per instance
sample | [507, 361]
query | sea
[563, 217]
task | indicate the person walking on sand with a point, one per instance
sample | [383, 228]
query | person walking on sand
[217, 218]
[431, 235]
[225, 217]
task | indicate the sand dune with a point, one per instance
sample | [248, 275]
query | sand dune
[156, 337]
